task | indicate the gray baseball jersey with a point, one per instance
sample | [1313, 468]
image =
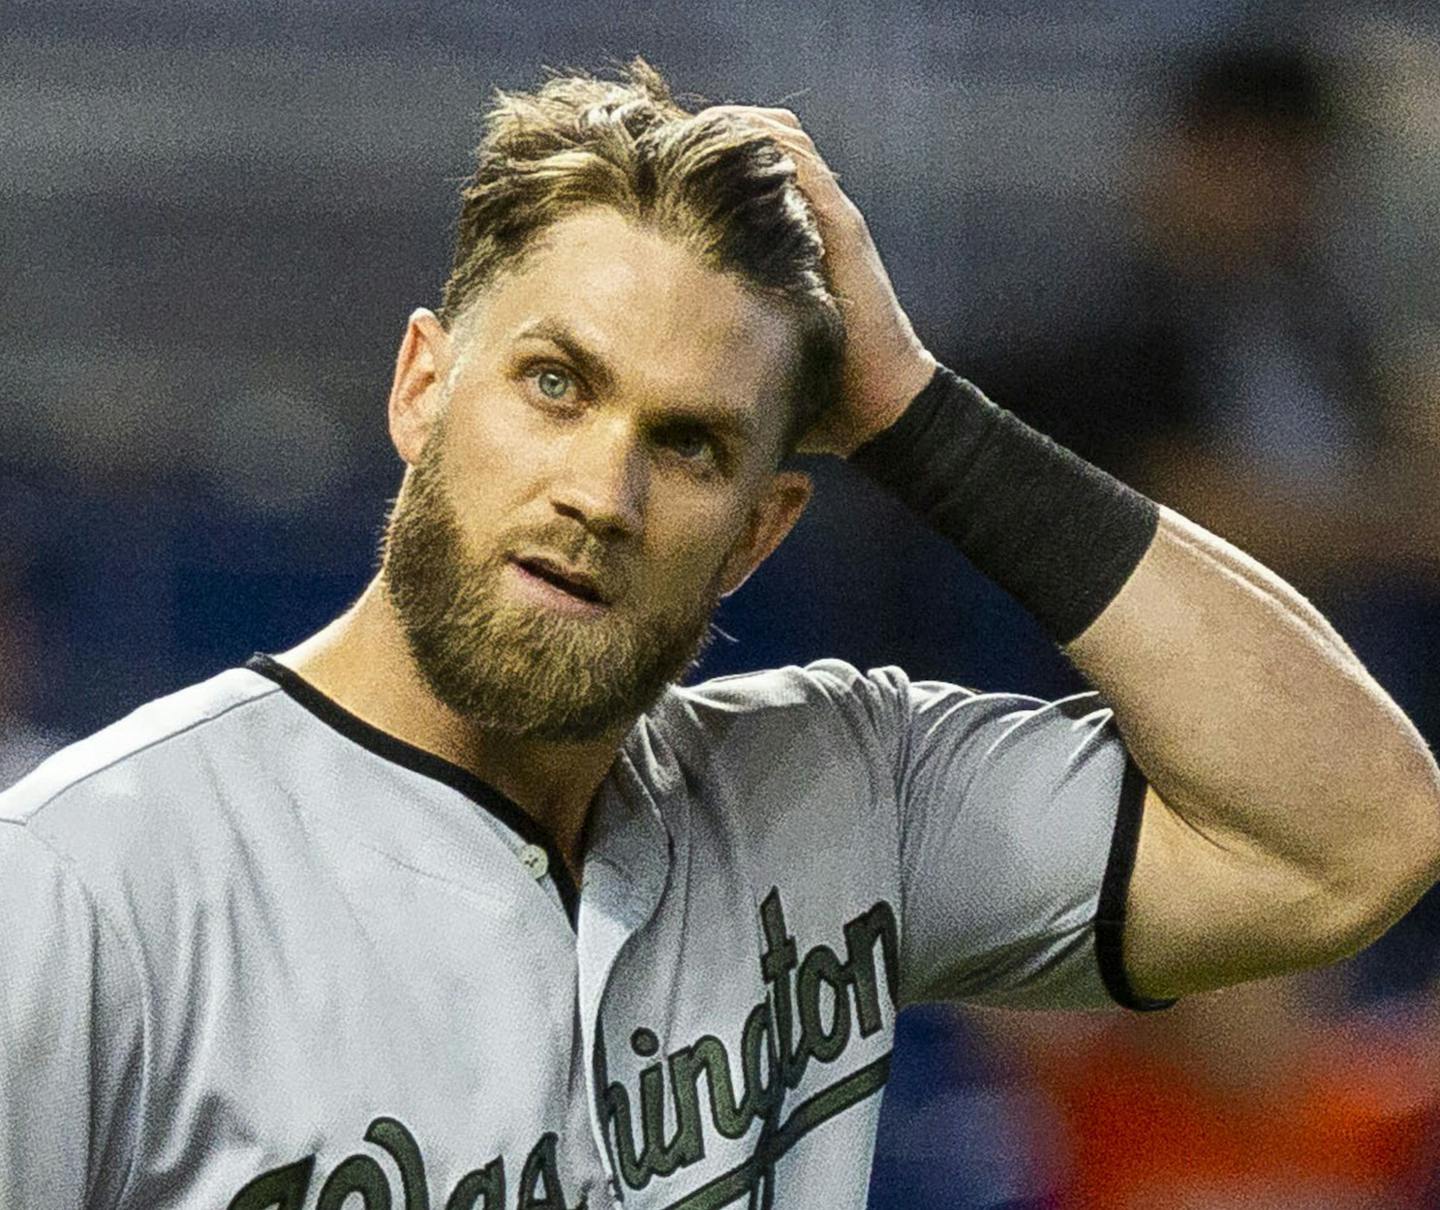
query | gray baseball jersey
[260, 955]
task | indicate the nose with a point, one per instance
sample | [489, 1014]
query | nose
[603, 478]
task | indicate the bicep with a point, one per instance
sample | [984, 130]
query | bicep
[1204, 912]
[1010, 844]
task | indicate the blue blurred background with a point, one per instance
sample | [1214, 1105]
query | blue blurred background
[1195, 241]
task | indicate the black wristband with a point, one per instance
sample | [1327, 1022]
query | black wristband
[1060, 535]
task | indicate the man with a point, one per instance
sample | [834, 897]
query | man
[463, 902]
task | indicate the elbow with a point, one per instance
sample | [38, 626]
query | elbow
[1401, 861]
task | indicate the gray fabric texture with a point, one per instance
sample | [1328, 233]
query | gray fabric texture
[252, 962]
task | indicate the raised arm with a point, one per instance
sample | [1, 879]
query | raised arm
[1293, 812]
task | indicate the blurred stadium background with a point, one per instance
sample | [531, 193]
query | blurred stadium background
[1198, 241]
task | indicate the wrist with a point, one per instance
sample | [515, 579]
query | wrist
[1060, 535]
[894, 390]
[912, 375]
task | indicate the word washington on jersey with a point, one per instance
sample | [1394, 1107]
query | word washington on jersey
[807, 1013]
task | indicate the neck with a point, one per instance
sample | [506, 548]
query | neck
[361, 662]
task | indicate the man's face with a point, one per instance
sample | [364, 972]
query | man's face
[609, 410]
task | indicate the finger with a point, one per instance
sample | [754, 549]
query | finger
[816, 178]
[785, 117]
[774, 121]
[811, 170]
[803, 149]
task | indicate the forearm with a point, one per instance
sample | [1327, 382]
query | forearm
[1285, 775]
[1257, 725]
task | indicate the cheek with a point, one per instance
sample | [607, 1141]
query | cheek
[693, 556]
[492, 471]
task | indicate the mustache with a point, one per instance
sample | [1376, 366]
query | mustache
[580, 549]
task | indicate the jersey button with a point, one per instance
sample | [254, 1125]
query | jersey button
[536, 860]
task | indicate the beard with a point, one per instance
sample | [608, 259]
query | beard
[514, 668]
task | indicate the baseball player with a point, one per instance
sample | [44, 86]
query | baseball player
[464, 903]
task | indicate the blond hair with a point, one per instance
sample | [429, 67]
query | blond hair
[716, 185]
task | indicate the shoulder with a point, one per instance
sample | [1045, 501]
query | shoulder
[142, 777]
[831, 731]
[819, 689]
[792, 722]
[884, 704]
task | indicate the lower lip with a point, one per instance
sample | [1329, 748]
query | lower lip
[542, 592]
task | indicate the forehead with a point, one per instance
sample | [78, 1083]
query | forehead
[666, 325]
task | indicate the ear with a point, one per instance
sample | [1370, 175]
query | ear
[770, 520]
[417, 391]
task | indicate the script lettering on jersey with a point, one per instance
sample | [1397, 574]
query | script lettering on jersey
[288, 1187]
[811, 1009]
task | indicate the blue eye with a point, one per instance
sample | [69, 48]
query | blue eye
[690, 445]
[553, 384]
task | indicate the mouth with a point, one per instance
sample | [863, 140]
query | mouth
[574, 583]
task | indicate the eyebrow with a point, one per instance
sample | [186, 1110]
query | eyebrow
[594, 367]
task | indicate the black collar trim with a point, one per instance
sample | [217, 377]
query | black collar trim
[407, 755]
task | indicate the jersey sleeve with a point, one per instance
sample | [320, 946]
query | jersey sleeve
[71, 1036]
[1017, 827]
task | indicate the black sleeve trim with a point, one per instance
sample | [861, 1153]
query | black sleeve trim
[1114, 891]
